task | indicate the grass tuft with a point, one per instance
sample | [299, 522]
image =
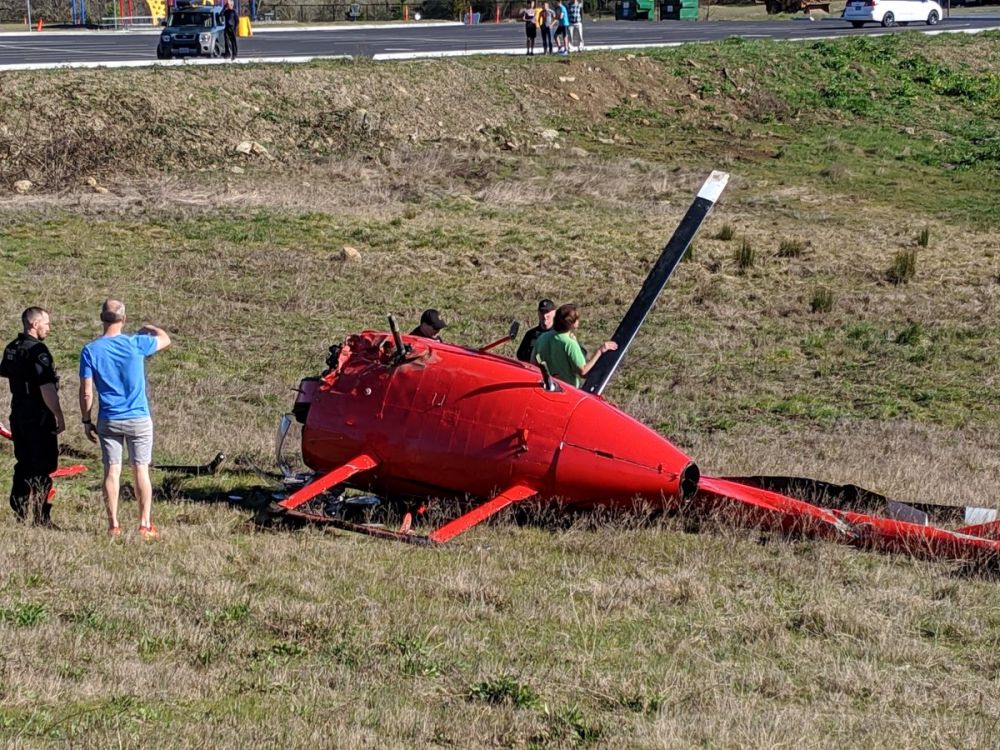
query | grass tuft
[903, 267]
[725, 233]
[910, 335]
[821, 300]
[505, 690]
[924, 237]
[745, 256]
[791, 249]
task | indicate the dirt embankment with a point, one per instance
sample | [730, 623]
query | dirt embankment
[59, 128]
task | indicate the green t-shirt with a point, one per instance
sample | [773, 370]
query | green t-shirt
[562, 354]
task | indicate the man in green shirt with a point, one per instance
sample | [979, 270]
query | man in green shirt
[561, 352]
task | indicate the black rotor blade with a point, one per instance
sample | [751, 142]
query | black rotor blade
[600, 374]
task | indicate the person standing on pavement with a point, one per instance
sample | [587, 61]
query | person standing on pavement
[114, 366]
[36, 417]
[575, 11]
[546, 312]
[562, 28]
[530, 29]
[560, 350]
[231, 19]
[546, 19]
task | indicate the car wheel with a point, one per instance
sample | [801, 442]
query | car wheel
[933, 18]
[888, 20]
[857, 24]
[217, 50]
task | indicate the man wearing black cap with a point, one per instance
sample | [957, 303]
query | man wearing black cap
[430, 325]
[546, 312]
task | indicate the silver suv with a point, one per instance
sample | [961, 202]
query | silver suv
[192, 31]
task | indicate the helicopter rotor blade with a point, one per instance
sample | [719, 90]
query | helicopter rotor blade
[600, 374]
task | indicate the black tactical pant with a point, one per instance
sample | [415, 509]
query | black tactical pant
[36, 450]
[230, 35]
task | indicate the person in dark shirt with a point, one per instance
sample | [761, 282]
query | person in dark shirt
[36, 417]
[530, 29]
[430, 325]
[546, 312]
[230, 18]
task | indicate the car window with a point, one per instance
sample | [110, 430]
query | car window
[191, 19]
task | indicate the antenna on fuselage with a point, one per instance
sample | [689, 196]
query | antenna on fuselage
[401, 348]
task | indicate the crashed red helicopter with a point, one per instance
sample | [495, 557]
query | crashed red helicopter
[404, 416]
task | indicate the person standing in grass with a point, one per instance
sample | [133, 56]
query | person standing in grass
[561, 352]
[230, 19]
[546, 312]
[36, 417]
[530, 29]
[547, 19]
[430, 325]
[114, 365]
[575, 11]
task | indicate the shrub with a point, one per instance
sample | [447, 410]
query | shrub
[726, 233]
[924, 237]
[689, 253]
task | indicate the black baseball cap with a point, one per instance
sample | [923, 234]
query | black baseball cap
[546, 305]
[433, 318]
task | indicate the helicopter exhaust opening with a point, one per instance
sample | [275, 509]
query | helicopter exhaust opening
[689, 481]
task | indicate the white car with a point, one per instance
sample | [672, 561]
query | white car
[891, 12]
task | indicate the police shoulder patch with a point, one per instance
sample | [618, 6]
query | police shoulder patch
[44, 358]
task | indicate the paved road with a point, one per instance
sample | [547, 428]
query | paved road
[387, 42]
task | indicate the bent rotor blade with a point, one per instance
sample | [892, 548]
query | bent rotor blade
[195, 470]
[600, 374]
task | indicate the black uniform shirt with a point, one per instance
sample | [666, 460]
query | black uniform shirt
[27, 365]
[230, 18]
[417, 332]
[528, 343]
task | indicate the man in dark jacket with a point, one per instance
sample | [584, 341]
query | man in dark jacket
[35, 417]
[231, 19]
[430, 325]
[546, 312]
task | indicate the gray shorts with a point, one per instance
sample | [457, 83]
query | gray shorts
[116, 433]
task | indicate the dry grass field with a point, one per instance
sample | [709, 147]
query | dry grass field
[837, 318]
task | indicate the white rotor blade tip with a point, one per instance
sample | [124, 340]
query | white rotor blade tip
[714, 186]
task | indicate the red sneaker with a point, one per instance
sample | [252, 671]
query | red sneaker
[149, 532]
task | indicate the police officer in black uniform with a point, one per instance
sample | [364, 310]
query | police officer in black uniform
[546, 314]
[35, 417]
[430, 325]
[230, 18]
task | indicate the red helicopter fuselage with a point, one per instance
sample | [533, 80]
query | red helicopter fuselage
[446, 421]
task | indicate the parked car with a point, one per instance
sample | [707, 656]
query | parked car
[891, 12]
[192, 31]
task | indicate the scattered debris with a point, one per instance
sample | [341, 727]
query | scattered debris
[350, 253]
[23, 186]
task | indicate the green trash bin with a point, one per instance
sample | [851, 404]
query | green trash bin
[679, 10]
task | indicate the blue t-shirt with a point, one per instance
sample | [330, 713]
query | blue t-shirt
[116, 363]
[563, 16]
